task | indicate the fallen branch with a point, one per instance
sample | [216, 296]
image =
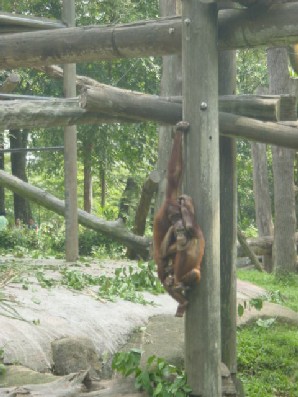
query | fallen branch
[113, 229]
[248, 251]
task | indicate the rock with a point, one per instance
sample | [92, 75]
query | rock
[73, 355]
[16, 375]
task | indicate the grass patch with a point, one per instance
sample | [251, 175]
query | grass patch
[267, 360]
[282, 289]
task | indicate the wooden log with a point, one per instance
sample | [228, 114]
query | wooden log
[254, 27]
[248, 251]
[115, 101]
[61, 112]
[113, 229]
[228, 218]
[261, 107]
[70, 152]
[201, 182]
[260, 131]
[50, 113]
[237, 29]
[12, 23]
[259, 245]
[256, 3]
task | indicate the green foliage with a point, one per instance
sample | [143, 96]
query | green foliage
[282, 290]
[113, 149]
[257, 303]
[77, 280]
[127, 283]
[158, 378]
[2, 367]
[99, 246]
[267, 359]
[251, 70]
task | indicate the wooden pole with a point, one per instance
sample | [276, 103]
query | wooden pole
[228, 221]
[200, 109]
[70, 153]
[237, 29]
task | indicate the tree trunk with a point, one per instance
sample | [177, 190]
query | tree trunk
[102, 177]
[262, 196]
[18, 139]
[148, 190]
[284, 247]
[87, 177]
[126, 198]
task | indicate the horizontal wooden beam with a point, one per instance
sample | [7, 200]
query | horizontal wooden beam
[237, 29]
[51, 113]
[260, 131]
[61, 112]
[14, 23]
[261, 107]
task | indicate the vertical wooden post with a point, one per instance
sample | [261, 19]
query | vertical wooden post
[200, 109]
[171, 85]
[228, 219]
[70, 151]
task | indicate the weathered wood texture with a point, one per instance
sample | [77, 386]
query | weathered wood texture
[256, 27]
[113, 229]
[237, 29]
[261, 107]
[201, 182]
[248, 251]
[262, 195]
[61, 112]
[260, 246]
[13, 23]
[255, 130]
[228, 218]
[283, 163]
[256, 3]
[70, 152]
[117, 101]
[264, 107]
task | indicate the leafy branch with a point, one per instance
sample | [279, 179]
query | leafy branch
[158, 378]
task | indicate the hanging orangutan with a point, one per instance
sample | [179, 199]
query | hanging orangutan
[178, 240]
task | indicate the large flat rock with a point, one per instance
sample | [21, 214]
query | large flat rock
[48, 314]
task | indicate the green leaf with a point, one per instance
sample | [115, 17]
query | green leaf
[240, 310]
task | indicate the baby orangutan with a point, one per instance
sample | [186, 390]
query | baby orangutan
[183, 248]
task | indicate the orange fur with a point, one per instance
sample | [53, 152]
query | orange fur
[178, 241]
